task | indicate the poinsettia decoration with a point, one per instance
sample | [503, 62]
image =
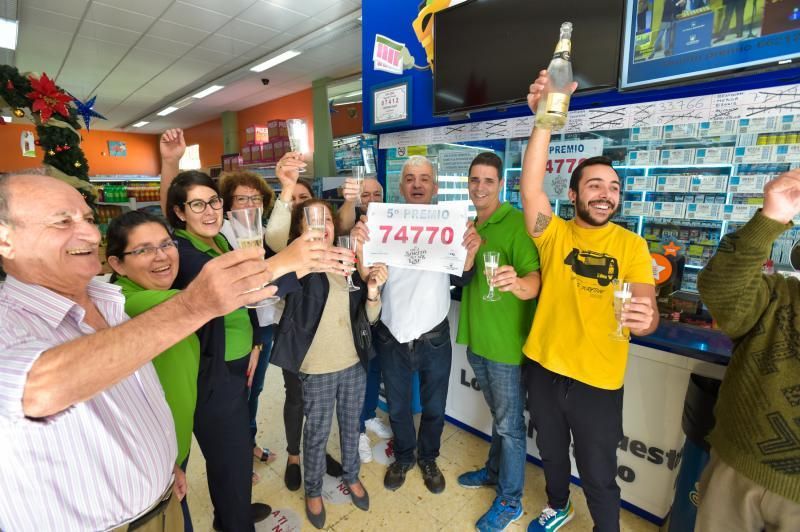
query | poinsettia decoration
[48, 98]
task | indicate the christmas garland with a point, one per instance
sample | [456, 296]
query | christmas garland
[55, 116]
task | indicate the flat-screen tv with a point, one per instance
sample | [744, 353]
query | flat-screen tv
[487, 52]
[671, 41]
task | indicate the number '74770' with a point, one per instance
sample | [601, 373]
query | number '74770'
[405, 233]
[554, 166]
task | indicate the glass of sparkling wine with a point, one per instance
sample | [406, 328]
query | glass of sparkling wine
[315, 220]
[622, 296]
[491, 260]
[345, 241]
[249, 231]
[297, 131]
[358, 175]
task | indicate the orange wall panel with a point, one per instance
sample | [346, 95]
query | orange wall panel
[347, 120]
[209, 136]
[142, 157]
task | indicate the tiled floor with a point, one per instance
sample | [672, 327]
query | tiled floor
[411, 508]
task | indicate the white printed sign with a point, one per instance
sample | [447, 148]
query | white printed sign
[562, 160]
[418, 237]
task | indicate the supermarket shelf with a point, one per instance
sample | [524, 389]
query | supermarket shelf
[125, 179]
[132, 204]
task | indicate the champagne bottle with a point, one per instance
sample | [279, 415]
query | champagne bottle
[552, 110]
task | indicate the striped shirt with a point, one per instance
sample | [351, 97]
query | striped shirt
[95, 465]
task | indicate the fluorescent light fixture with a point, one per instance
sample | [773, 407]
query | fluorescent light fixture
[141, 124]
[277, 60]
[211, 90]
[168, 110]
[8, 34]
[7, 119]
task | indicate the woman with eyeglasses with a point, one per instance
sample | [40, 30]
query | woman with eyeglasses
[144, 258]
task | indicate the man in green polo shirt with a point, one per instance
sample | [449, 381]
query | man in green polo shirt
[494, 332]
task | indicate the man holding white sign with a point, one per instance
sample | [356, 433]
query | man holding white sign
[414, 334]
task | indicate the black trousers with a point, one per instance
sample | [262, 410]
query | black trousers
[559, 405]
[222, 429]
[293, 412]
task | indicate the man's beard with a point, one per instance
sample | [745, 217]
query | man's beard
[582, 211]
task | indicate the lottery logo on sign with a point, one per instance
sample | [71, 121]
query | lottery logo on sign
[280, 520]
[415, 256]
[335, 491]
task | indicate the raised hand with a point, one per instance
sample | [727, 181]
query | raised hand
[172, 145]
[351, 191]
[782, 197]
[289, 167]
[537, 89]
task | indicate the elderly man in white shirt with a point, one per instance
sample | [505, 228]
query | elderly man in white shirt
[414, 336]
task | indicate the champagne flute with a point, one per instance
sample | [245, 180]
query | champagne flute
[345, 241]
[297, 131]
[622, 296]
[246, 225]
[491, 261]
[315, 220]
[358, 175]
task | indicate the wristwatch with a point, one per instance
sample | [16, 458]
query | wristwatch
[375, 299]
[260, 347]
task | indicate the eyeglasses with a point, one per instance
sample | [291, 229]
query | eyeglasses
[256, 200]
[149, 251]
[199, 205]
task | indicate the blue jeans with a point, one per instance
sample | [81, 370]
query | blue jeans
[431, 356]
[502, 388]
[187, 517]
[264, 336]
[371, 394]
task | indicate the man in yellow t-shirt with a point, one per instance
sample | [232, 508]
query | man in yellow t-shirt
[575, 369]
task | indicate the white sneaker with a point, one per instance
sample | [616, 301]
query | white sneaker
[378, 428]
[364, 448]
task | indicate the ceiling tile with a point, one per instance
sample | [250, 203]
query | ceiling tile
[335, 12]
[305, 7]
[152, 8]
[177, 32]
[163, 46]
[247, 31]
[89, 61]
[35, 54]
[112, 34]
[138, 67]
[210, 56]
[272, 16]
[226, 7]
[195, 17]
[226, 45]
[112, 16]
[73, 8]
[46, 19]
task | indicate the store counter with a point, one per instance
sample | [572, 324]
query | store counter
[656, 380]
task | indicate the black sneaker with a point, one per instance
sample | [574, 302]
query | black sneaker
[260, 512]
[434, 480]
[332, 467]
[396, 475]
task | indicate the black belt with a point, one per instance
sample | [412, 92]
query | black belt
[157, 510]
[433, 333]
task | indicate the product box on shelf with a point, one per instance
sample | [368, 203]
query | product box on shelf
[668, 209]
[680, 131]
[268, 152]
[714, 155]
[646, 133]
[672, 183]
[790, 123]
[753, 154]
[709, 184]
[756, 125]
[679, 157]
[247, 153]
[256, 134]
[637, 208]
[280, 147]
[277, 129]
[703, 211]
[787, 153]
[744, 184]
[643, 157]
[718, 128]
[641, 183]
[738, 213]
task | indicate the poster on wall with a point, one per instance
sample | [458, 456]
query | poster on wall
[669, 40]
[27, 144]
[562, 160]
[391, 106]
[117, 148]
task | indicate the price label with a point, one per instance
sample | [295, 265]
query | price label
[787, 153]
[738, 213]
[646, 133]
[753, 154]
[709, 183]
[703, 211]
[640, 183]
[747, 184]
[714, 155]
[672, 183]
[680, 131]
[668, 209]
[683, 156]
[643, 157]
[757, 125]
[717, 128]
[419, 237]
[637, 208]
[790, 123]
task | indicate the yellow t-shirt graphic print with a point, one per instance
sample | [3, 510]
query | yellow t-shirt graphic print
[575, 316]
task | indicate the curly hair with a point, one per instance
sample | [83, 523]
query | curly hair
[228, 182]
[298, 216]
